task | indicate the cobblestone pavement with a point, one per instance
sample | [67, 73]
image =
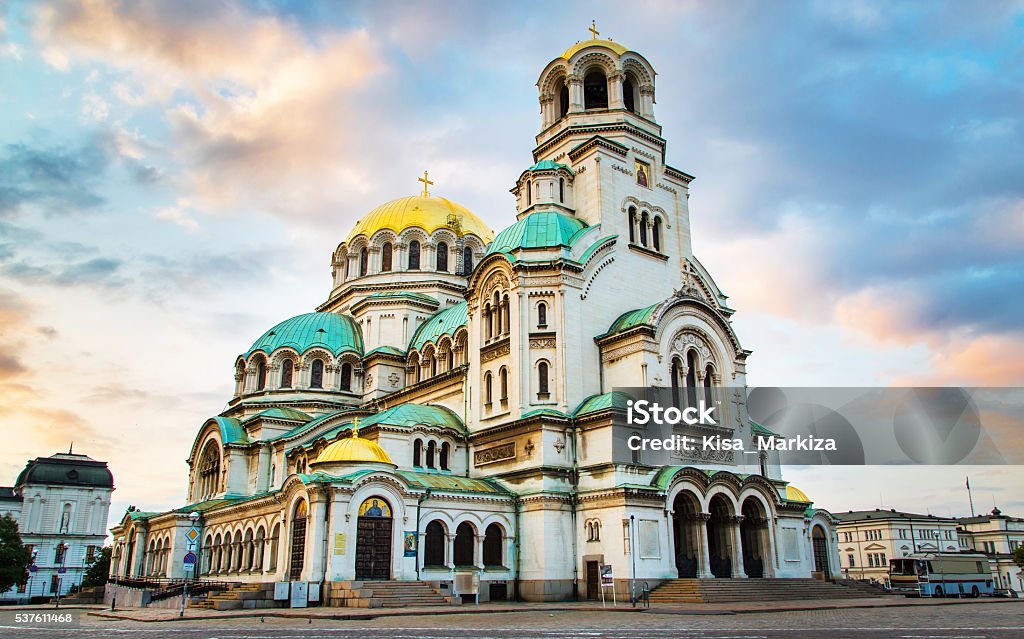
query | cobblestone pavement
[977, 621]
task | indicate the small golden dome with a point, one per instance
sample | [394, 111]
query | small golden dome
[579, 46]
[354, 449]
[428, 212]
[795, 494]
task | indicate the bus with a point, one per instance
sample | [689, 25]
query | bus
[941, 574]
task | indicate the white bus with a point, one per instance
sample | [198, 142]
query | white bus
[941, 574]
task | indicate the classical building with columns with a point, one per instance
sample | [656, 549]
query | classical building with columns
[450, 407]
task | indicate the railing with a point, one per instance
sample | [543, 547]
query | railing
[164, 588]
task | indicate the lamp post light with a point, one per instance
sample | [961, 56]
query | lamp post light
[115, 556]
[32, 571]
[62, 552]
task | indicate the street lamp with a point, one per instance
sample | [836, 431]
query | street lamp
[31, 571]
[62, 551]
[115, 556]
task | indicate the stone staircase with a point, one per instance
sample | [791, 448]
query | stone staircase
[238, 597]
[90, 595]
[676, 591]
[385, 594]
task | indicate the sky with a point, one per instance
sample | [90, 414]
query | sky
[175, 175]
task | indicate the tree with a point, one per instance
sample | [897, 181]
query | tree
[1018, 557]
[97, 568]
[15, 557]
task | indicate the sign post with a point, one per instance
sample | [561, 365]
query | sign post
[189, 561]
[608, 581]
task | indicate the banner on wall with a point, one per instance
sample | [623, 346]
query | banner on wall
[409, 543]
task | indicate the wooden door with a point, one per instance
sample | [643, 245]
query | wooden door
[593, 580]
[373, 548]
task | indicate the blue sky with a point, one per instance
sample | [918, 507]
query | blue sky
[174, 176]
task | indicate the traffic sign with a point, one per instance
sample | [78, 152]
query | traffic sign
[192, 534]
[61, 570]
[33, 568]
[190, 558]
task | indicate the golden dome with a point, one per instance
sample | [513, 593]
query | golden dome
[579, 46]
[354, 449]
[795, 494]
[428, 212]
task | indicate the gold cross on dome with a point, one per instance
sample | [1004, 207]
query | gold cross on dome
[355, 427]
[593, 29]
[426, 183]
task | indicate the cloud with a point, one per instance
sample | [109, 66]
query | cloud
[176, 216]
[59, 180]
[252, 117]
[99, 271]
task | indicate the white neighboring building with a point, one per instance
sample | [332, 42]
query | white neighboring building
[481, 369]
[61, 503]
[998, 536]
[868, 539]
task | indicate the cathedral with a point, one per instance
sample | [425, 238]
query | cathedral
[449, 410]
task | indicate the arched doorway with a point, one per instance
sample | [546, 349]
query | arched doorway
[462, 551]
[298, 549]
[819, 543]
[686, 534]
[720, 532]
[754, 537]
[373, 540]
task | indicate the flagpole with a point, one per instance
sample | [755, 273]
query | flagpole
[969, 497]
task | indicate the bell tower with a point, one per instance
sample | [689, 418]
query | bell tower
[597, 120]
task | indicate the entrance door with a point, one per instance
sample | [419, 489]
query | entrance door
[820, 545]
[593, 580]
[298, 546]
[373, 540]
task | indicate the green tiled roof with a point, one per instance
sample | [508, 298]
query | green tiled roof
[332, 331]
[543, 229]
[282, 413]
[420, 297]
[442, 323]
[595, 246]
[548, 165]
[543, 411]
[308, 425]
[452, 483]
[231, 431]
[390, 350]
[595, 403]
[632, 319]
[409, 415]
[761, 430]
[665, 474]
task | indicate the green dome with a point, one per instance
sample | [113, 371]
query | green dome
[543, 229]
[548, 165]
[332, 331]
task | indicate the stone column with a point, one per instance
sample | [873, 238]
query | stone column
[575, 93]
[478, 551]
[647, 101]
[704, 569]
[449, 550]
[737, 552]
[615, 90]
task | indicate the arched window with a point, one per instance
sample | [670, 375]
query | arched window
[261, 373]
[316, 374]
[464, 541]
[542, 380]
[709, 374]
[275, 545]
[298, 541]
[209, 471]
[595, 90]
[656, 234]
[632, 225]
[561, 190]
[433, 545]
[563, 99]
[492, 546]
[691, 378]
[446, 450]
[346, 377]
[467, 261]
[636, 453]
[261, 543]
[542, 315]
[503, 384]
[431, 452]
[385, 258]
[364, 262]
[628, 99]
[643, 229]
[287, 369]
[417, 453]
[414, 255]
[442, 257]
[529, 193]
[763, 459]
[488, 390]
